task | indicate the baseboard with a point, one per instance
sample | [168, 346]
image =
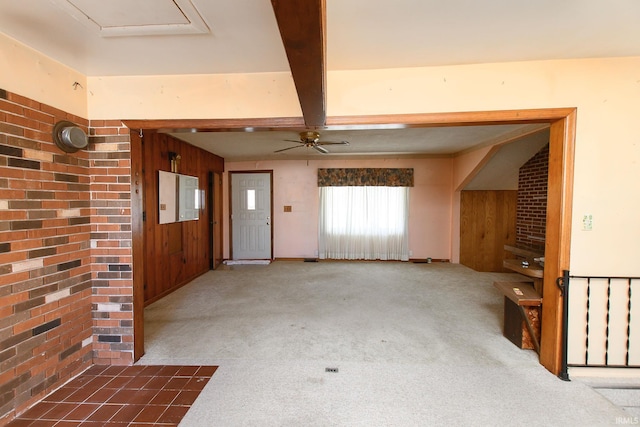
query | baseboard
[413, 260]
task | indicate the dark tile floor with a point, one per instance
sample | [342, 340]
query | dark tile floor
[119, 396]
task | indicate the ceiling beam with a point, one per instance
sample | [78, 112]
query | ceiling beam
[303, 32]
[217, 125]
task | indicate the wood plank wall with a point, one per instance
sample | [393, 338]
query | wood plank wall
[174, 253]
[487, 223]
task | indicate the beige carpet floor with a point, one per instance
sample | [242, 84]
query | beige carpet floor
[412, 344]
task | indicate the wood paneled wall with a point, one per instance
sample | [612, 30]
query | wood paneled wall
[487, 223]
[174, 253]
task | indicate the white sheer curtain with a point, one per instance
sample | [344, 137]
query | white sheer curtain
[364, 223]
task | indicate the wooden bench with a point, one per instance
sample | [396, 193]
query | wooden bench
[517, 297]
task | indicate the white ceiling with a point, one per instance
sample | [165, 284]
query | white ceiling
[158, 37]
[366, 143]
[242, 35]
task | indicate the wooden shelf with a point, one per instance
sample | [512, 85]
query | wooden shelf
[523, 252]
[529, 295]
[533, 270]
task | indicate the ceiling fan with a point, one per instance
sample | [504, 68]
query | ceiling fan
[311, 139]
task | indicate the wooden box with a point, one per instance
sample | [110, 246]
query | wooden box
[515, 328]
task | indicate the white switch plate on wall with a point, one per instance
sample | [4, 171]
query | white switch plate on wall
[587, 222]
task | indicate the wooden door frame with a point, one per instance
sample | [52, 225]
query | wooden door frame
[562, 123]
[215, 214]
[270, 172]
[210, 218]
[137, 242]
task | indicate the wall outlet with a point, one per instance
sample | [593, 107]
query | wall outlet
[587, 222]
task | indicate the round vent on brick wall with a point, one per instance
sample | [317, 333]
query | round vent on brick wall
[69, 137]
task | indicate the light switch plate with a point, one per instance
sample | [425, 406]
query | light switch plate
[587, 222]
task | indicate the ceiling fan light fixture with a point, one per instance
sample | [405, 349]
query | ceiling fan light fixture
[310, 136]
[311, 139]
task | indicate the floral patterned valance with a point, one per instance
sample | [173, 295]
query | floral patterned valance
[377, 177]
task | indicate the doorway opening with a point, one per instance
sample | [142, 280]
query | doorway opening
[560, 186]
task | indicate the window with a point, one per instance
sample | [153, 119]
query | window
[364, 223]
[251, 200]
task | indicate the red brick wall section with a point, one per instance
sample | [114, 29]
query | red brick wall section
[65, 252]
[531, 217]
[45, 255]
[111, 254]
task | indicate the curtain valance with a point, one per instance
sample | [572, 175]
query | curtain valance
[371, 177]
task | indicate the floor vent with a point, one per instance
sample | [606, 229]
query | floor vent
[310, 260]
[332, 370]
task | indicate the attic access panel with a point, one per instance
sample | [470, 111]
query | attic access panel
[115, 18]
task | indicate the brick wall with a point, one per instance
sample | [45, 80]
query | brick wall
[110, 188]
[45, 255]
[531, 217]
[65, 252]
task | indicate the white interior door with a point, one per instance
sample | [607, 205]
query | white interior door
[251, 215]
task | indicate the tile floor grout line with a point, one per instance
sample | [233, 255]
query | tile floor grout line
[168, 400]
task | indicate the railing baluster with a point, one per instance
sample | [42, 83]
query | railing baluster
[563, 284]
[586, 347]
[626, 363]
[606, 341]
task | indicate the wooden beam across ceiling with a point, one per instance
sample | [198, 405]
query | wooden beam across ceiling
[303, 32]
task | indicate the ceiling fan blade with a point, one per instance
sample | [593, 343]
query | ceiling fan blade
[290, 148]
[320, 149]
[293, 140]
[334, 143]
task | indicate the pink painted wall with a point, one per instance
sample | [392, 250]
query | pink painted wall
[295, 233]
